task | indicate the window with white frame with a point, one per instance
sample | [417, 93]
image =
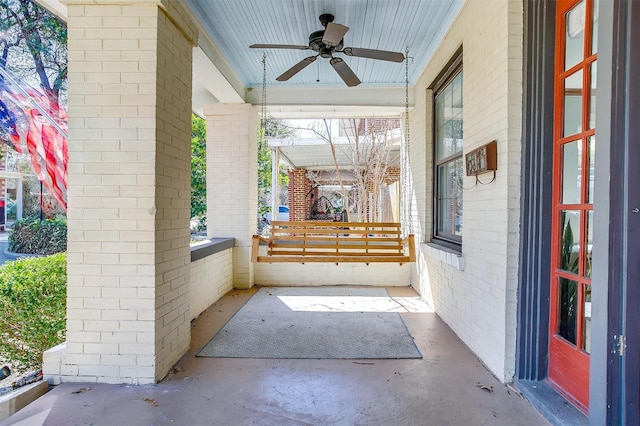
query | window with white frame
[448, 166]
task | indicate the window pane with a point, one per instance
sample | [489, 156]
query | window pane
[574, 35]
[568, 309]
[571, 172]
[592, 168]
[592, 95]
[594, 31]
[589, 246]
[569, 240]
[449, 198]
[573, 104]
[449, 119]
[586, 319]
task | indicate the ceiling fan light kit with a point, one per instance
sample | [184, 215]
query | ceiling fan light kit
[326, 43]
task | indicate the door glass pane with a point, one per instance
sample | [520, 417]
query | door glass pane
[574, 35]
[592, 96]
[589, 246]
[594, 31]
[571, 172]
[450, 198]
[586, 319]
[592, 167]
[567, 311]
[569, 240]
[573, 104]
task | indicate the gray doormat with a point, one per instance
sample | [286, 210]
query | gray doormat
[315, 323]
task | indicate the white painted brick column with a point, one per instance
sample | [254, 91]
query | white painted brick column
[128, 318]
[232, 181]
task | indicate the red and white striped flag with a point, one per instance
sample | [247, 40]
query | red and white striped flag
[36, 126]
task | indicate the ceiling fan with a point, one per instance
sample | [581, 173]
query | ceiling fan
[326, 43]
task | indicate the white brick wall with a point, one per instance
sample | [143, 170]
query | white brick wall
[173, 191]
[478, 299]
[211, 278]
[129, 118]
[232, 181]
[317, 274]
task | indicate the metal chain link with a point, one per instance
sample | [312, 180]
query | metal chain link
[263, 112]
[406, 160]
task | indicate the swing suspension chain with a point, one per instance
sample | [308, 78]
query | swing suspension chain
[406, 97]
[263, 113]
[408, 226]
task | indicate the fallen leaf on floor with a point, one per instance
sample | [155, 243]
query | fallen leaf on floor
[488, 388]
[81, 390]
[516, 391]
[151, 402]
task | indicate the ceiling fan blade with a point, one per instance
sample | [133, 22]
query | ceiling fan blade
[385, 55]
[344, 72]
[279, 46]
[334, 33]
[296, 68]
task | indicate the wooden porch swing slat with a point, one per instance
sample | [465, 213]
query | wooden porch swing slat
[335, 242]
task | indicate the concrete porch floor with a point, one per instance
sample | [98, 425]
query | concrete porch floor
[440, 389]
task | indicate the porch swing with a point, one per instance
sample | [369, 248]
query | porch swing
[324, 238]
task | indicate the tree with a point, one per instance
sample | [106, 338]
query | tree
[199, 169]
[368, 144]
[33, 49]
[33, 46]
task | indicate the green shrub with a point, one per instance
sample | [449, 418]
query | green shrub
[33, 298]
[34, 236]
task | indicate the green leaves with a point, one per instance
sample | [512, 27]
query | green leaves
[198, 168]
[32, 308]
[33, 236]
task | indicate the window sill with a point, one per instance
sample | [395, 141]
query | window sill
[444, 254]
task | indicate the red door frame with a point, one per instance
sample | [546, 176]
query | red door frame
[568, 363]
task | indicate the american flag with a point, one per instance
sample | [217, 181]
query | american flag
[36, 126]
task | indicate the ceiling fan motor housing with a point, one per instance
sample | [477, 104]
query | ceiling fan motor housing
[317, 45]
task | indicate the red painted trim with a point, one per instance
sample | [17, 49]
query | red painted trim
[568, 363]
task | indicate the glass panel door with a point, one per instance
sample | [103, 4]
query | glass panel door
[573, 169]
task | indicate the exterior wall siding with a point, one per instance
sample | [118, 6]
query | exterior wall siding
[475, 294]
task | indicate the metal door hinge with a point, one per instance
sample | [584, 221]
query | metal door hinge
[618, 343]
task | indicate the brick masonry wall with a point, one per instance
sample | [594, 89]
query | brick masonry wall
[232, 181]
[299, 203]
[211, 278]
[317, 274]
[476, 294]
[129, 121]
[173, 187]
